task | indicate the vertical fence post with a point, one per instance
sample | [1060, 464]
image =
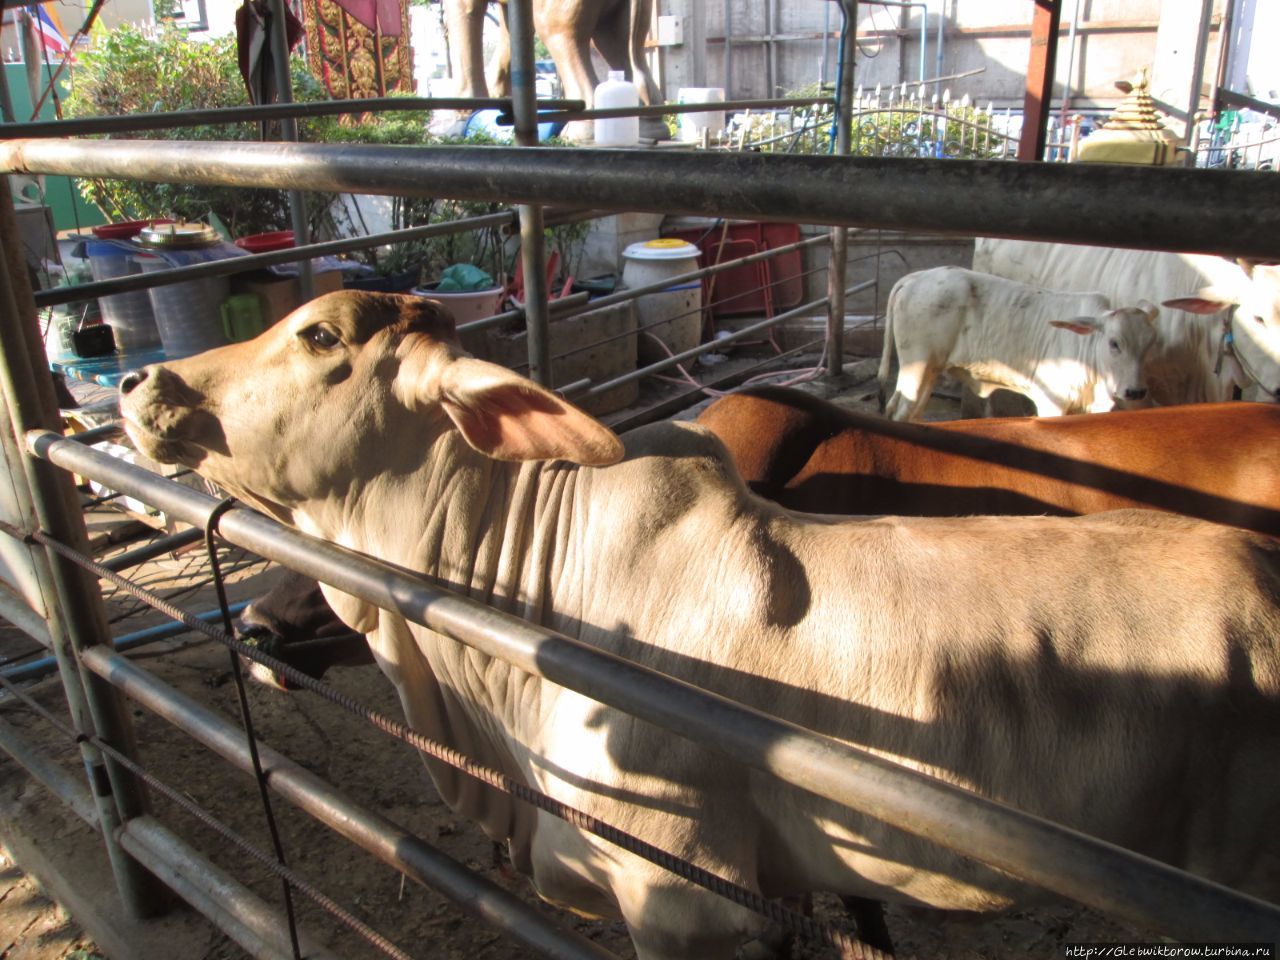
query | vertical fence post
[524, 109]
[76, 615]
[1040, 74]
[839, 249]
[279, 40]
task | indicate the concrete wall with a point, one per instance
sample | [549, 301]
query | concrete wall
[1115, 39]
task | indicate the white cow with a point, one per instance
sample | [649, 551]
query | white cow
[1067, 352]
[1204, 297]
[1118, 673]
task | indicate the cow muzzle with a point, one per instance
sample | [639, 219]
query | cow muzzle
[1135, 393]
[166, 418]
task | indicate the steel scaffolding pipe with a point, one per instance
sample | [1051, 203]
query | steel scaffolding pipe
[1230, 212]
[1126, 885]
[15, 609]
[73, 605]
[719, 342]
[236, 910]
[67, 787]
[663, 109]
[229, 905]
[169, 120]
[36, 669]
[256, 261]
[371, 831]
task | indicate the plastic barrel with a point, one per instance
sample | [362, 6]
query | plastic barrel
[130, 315]
[189, 313]
[673, 315]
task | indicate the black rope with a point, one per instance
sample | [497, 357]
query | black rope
[788, 919]
[330, 906]
[259, 774]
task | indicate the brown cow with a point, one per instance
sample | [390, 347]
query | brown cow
[1218, 461]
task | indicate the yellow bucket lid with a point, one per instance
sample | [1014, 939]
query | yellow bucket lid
[664, 248]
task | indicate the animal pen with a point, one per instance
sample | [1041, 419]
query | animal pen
[55, 595]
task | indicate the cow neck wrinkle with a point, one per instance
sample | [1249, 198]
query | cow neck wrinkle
[479, 526]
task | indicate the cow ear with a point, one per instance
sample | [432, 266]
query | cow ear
[508, 417]
[1206, 300]
[1200, 305]
[1081, 325]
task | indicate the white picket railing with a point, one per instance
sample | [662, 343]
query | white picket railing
[910, 120]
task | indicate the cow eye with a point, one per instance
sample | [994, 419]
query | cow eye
[321, 336]
[1115, 347]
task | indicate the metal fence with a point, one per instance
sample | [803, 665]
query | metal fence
[1058, 859]
[916, 120]
[60, 604]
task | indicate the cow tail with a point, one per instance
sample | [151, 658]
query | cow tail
[886, 352]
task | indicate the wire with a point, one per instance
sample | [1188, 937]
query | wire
[247, 719]
[190, 806]
[789, 919]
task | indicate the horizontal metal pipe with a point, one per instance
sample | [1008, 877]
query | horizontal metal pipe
[231, 906]
[149, 551]
[669, 362]
[96, 434]
[50, 774]
[665, 408]
[1118, 882]
[633, 293]
[381, 837]
[1231, 212]
[131, 122]
[36, 669]
[16, 610]
[228, 904]
[257, 261]
[558, 308]
[662, 109]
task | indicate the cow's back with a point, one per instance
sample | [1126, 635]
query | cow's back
[1218, 462]
[1180, 370]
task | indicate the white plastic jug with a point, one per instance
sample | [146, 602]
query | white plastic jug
[617, 91]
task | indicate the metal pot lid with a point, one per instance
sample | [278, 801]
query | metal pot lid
[178, 236]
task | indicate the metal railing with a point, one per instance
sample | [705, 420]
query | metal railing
[1123, 884]
[1218, 213]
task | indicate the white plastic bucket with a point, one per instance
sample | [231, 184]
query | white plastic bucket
[672, 315]
[693, 124]
[465, 305]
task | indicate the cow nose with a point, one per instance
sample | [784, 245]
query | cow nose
[131, 380]
[1276, 393]
[1135, 393]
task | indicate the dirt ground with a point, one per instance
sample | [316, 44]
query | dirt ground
[376, 771]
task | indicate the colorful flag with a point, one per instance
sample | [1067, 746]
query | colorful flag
[48, 30]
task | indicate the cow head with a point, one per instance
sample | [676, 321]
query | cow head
[1122, 340]
[346, 388]
[1255, 295]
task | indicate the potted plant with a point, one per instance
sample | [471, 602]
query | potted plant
[466, 292]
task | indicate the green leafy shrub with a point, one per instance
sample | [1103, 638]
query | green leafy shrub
[132, 70]
[143, 70]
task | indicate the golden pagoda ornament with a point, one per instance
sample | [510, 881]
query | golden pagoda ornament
[1134, 133]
